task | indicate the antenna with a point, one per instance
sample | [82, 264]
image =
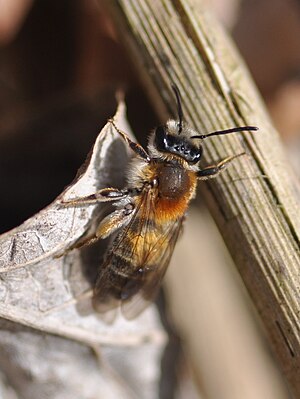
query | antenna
[179, 107]
[227, 131]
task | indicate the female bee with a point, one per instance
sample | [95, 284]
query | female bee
[149, 213]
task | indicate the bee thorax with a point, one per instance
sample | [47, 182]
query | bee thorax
[173, 182]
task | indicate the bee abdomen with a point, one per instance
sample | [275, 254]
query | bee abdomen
[123, 280]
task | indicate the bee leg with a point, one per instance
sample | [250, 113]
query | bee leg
[212, 171]
[104, 195]
[137, 148]
[115, 221]
[81, 242]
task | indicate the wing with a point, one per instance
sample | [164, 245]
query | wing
[137, 260]
[151, 279]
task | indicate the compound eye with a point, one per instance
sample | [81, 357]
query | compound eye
[195, 154]
[160, 137]
[170, 141]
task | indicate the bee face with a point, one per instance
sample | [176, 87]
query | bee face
[170, 140]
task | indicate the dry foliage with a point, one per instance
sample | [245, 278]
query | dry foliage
[45, 291]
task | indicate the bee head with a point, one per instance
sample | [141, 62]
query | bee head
[167, 139]
[178, 139]
[175, 138]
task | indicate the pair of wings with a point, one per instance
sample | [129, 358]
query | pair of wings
[153, 259]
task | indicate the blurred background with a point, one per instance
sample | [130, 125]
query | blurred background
[60, 65]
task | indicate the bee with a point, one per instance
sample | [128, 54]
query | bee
[149, 212]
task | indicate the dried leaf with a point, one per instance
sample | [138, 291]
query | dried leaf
[46, 287]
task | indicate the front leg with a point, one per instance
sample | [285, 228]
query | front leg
[104, 195]
[212, 171]
[137, 148]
